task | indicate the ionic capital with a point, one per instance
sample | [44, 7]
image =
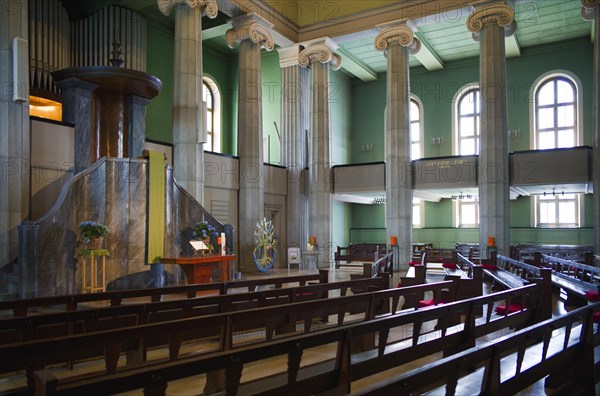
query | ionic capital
[319, 52]
[210, 7]
[401, 35]
[250, 27]
[590, 8]
[501, 14]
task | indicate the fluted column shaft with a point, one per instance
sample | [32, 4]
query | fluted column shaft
[318, 56]
[489, 24]
[398, 41]
[591, 11]
[295, 104]
[188, 150]
[251, 32]
[14, 133]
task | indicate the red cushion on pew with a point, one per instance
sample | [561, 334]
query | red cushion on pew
[413, 263]
[596, 317]
[399, 284]
[489, 267]
[501, 309]
[426, 303]
[591, 295]
[450, 265]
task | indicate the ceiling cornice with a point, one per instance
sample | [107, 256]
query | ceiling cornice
[411, 9]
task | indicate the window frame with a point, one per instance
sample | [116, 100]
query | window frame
[457, 116]
[458, 205]
[415, 99]
[545, 78]
[214, 121]
[538, 201]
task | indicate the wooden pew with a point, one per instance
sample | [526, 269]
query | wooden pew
[326, 375]
[566, 361]
[508, 273]
[72, 302]
[470, 278]
[380, 268]
[358, 252]
[526, 252]
[579, 281]
[61, 324]
[225, 330]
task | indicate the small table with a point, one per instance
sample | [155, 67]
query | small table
[199, 269]
[93, 255]
[310, 259]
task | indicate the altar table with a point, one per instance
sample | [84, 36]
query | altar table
[199, 269]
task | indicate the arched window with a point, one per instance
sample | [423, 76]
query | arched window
[416, 129]
[556, 113]
[468, 109]
[212, 98]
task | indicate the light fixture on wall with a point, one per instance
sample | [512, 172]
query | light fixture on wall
[554, 193]
[461, 196]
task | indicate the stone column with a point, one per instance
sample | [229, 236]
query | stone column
[591, 11]
[136, 108]
[295, 104]
[188, 151]
[14, 133]
[77, 110]
[318, 55]
[251, 32]
[398, 41]
[490, 23]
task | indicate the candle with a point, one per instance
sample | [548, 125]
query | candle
[221, 241]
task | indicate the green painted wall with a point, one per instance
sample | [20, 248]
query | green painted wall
[341, 223]
[340, 94]
[219, 67]
[271, 103]
[437, 90]
[159, 58]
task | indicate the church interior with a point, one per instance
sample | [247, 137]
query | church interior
[439, 155]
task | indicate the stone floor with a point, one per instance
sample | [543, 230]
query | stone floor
[194, 385]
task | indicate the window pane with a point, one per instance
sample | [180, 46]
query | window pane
[546, 118]
[566, 138]
[546, 94]
[567, 212]
[468, 214]
[566, 116]
[209, 142]
[414, 111]
[547, 212]
[467, 146]
[415, 132]
[416, 215]
[567, 196]
[546, 140]
[467, 103]
[415, 151]
[467, 126]
[565, 92]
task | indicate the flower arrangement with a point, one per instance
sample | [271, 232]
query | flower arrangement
[264, 234]
[312, 242]
[204, 230]
[266, 245]
[92, 229]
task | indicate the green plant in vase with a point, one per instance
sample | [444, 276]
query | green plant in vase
[92, 231]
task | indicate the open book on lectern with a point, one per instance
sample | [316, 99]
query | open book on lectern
[198, 245]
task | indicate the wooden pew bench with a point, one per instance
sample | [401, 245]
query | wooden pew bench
[224, 331]
[508, 273]
[559, 363]
[380, 268]
[370, 252]
[73, 302]
[37, 327]
[580, 282]
[326, 375]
